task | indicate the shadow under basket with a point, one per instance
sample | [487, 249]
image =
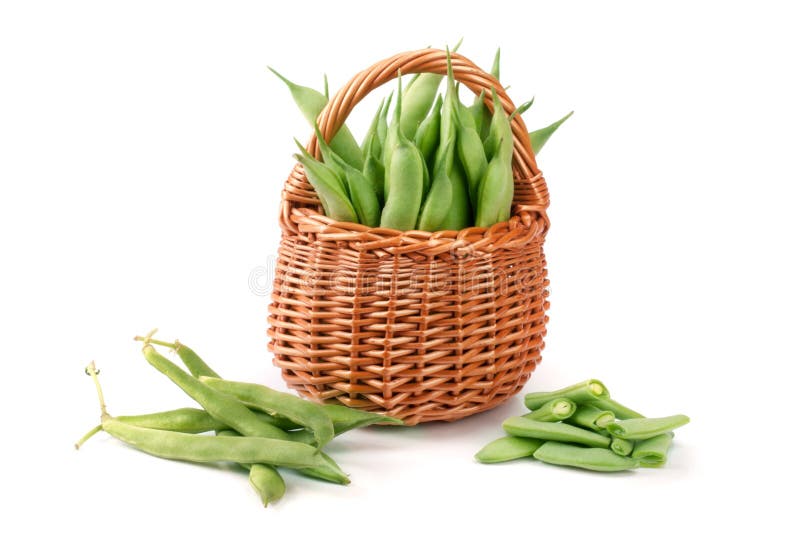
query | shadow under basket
[418, 325]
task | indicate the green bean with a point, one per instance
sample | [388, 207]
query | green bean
[220, 406]
[620, 446]
[203, 448]
[595, 459]
[539, 137]
[437, 202]
[581, 392]
[459, 214]
[643, 428]
[417, 101]
[499, 130]
[620, 411]
[508, 448]
[193, 362]
[311, 102]
[448, 125]
[372, 131]
[373, 169]
[345, 418]
[274, 402]
[329, 471]
[652, 452]
[329, 189]
[393, 132]
[592, 418]
[186, 420]
[495, 192]
[480, 114]
[382, 130]
[527, 428]
[427, 136]
[471, 154]
[495, 70]
[362, 195]
[265, 479]
[554, 410]
[522, 108]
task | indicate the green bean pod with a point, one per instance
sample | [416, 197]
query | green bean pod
[438, 200]
[620, 411]
[373, 170]
[265, 479]
[329, 188]
[187, 420]
[652, 452]
[205, 448]
[508, 448]
[471, 155]
[480, 114]
[418, 98]
[345, 418]
[582, 392]
[393, 132]
[220, 406]
[372, 131]
[306, 413]
[459, 216]
[644, 428]
[427, 136]
[527, 428]
[404, 186]
[539, 137]
[499, 129]
[594, 459]
[554, 410]
[311, 102]
[620, 446]
[592, 418]
[382, 129]
[495, 192]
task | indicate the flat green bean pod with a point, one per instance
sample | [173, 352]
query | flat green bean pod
[265, 479]
[345, 418]
[306, 413]
[644, 428]
[594, 459]
[508, 448]
[652, 452]
[528, 428]
[582, 392]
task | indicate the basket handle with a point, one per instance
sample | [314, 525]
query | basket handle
[530, 189]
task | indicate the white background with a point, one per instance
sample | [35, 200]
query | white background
[143, 146]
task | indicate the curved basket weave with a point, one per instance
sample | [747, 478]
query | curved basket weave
[422, 326]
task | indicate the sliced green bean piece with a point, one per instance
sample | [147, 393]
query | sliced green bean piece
[582, 392]
[643, 428]
[652, 452]
[539, 137]
[620, 446]
[594, 459]
[311, 102]
[265, 479]
[507, 448]
[592, 418]
[345, 418]
[620, 411]
[554, 410]
[306, 413]
[527, 428]
[220, 406]
[205, 448]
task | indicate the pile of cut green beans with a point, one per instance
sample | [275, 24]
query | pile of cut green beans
[252, 425]
[438, 164]
[582, 426]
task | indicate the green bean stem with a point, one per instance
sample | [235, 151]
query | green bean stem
[553, 410]
[193, 362]
[582, 392]
[507, 448]
[86, 437]
[643, 428]
[652, 452]
[274, 402]
[591, 417]
[527, 428]
[595, 459]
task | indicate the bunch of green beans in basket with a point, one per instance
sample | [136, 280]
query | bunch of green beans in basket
[254, 426]
[582, 426]
[438, 164]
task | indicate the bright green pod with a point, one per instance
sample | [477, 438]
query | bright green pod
[427, 136]
[594, 459]
[404, 185]
[372, 131]
[652, 452]
[264, 479]
[311, 102]
[329, 188]
[459, 216]
[527, 428]
[557, 409]
[644, 428]
[582, 392]
[345, 418]
[539, 137]
[418, 98]
[496, 192]
[374, 171]
[480, 114]
[438, 200]
[499, 129]
[591, 417]
[620, 446]
[393, 133]
[471, 154]
[382, 129]
[187, 420]
[508, 448]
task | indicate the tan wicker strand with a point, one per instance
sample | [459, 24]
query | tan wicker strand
[419, 325]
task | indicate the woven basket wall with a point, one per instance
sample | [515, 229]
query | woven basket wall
[422, 326]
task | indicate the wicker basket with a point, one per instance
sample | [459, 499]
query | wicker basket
[422, 326]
